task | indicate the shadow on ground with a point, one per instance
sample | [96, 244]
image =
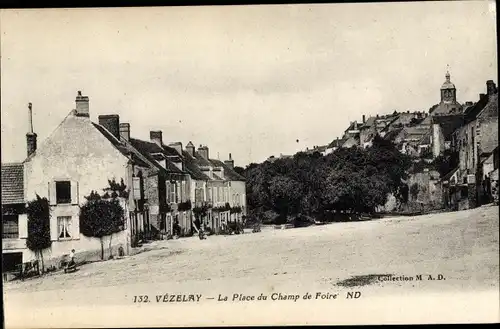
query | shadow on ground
[362, 280]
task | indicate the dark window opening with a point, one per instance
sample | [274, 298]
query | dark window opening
[63, 192]
[10, 261]
[10, 226]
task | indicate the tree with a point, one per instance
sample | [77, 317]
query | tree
[285, 194]
[414, 189]
[446, 162]
[101, 217]
[38, 211]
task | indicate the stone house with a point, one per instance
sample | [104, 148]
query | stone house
[442, 129]
[475, 142]
[14, 218]
[170, 189]
[79, 157]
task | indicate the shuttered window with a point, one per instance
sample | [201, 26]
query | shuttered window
[136, 182]
[10, 226]
[63, 192]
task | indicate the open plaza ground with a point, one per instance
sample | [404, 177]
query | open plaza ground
[384, 257]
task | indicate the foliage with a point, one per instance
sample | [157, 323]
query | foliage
[354, 180]
[115, 190]
[102, 216]
[38, 212]
[426, 153]
[446, 162]
[236, 210]
[414, 189]
[225, 207]
[184, 206]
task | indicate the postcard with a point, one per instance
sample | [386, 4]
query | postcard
[293, 164]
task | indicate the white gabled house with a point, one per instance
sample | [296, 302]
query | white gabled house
[78, 157]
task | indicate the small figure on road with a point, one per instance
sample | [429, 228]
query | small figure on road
[72, 257]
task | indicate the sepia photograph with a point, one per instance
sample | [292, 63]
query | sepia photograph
[245, 165]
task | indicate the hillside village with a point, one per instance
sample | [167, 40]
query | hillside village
[176, 190]
[466, 133]
[172, 190]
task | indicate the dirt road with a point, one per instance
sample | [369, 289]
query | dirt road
[420, 263]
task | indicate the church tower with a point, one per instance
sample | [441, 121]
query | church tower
[448, 91]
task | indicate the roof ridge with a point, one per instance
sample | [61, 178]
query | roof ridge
[50, 135]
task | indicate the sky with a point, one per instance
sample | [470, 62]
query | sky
[253, 81]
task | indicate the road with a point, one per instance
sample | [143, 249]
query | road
[455, 255]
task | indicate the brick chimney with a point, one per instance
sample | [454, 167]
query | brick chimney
[230, 162]
[491, 88]
[156, 137]
[177, 146]
[30, 136]
[190, 148]
[125, 131]
[364, 119]
[112, 123]
[82, 105]
[203, 150]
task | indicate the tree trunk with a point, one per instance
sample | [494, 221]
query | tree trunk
[41, 256]
[110, 250]
[102, 248]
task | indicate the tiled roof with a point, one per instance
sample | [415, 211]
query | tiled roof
[448, 123]
[201, 160]
[123, 148]
[449, 174]
[147, 148]
[369, 122]
[336, 143]
[472, 111]
[392, 134]
[229, 173]
[350, 142]
[426, 139]
[12, 183]
[192, 167]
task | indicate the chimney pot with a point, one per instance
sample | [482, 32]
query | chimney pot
[82, 105]
[125, 131]
[491, 88]
[112, 123]
[230, 162]
[203, 150]
[156, 136]
[190, 148]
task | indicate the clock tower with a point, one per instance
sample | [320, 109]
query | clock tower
[448, 91]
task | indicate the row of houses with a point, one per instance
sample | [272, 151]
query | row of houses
[170, 186]
[467, 132]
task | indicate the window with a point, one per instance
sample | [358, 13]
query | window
[64, 227]
[63, 192]
[10, 226]
[136, 182]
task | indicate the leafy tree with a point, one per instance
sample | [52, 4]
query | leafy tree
[38, 211]
[414, 189]
[116, 189]
[312, 185]
[285, 194]
[101, 217]
[446, 162]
